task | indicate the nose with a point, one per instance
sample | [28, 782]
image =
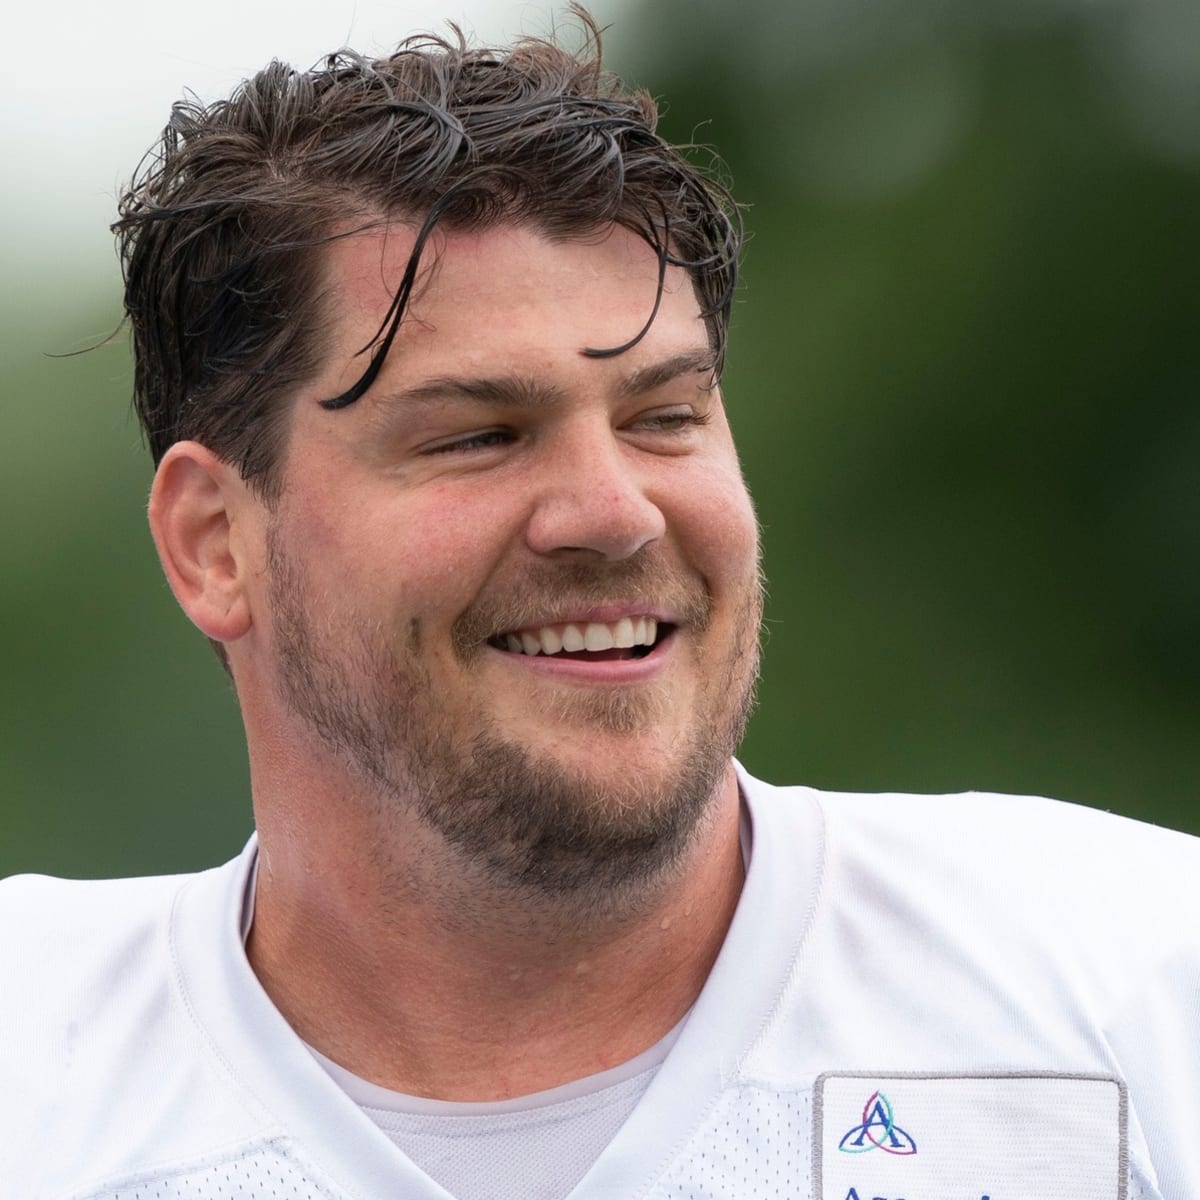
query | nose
[591, 501]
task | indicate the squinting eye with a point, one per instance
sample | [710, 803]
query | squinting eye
[673, 421]
[484, 440]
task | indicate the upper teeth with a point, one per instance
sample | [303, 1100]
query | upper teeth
[595, 635]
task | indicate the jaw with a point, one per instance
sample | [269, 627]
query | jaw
[584, 796]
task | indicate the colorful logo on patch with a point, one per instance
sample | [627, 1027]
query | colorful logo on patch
[878, 1130]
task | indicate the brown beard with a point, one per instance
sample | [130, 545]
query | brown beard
[527, 821]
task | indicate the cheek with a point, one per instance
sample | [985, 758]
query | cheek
[722, 528]
[430, 555]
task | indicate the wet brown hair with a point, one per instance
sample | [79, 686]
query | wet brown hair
[222, 228]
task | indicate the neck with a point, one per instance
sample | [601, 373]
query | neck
[409, 971]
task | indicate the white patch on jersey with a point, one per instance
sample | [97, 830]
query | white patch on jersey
[1008, 1136]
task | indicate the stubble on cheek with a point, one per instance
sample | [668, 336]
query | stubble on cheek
[528, 820]
[336, 674]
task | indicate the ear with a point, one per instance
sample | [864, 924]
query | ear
[197, 507]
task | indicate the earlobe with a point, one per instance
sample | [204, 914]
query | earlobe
[195, 501]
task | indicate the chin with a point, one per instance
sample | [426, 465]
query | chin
[586, 825]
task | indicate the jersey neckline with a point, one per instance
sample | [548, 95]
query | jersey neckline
[272, 1072]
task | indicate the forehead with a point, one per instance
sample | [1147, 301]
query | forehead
[506, 296]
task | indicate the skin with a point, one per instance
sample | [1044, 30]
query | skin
[414, 526]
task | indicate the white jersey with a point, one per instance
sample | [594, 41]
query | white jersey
[919, 998]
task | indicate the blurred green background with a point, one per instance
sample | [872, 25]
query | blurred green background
[964, 375]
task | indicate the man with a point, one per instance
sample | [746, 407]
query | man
[428, 353]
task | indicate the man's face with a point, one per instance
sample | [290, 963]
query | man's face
[514, 589]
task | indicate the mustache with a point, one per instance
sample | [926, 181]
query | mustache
[545, 590]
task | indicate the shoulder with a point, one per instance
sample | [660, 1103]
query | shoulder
[78, 937]
[1031, 843]
[98, 1041]
[1053, 880]
[981, 933]
[970, 833]
[68, 927]
[77, 955]
[30, 901]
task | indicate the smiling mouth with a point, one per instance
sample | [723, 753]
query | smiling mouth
[595, 641]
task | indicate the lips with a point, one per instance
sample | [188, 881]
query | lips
[555, 612]
[630, 637]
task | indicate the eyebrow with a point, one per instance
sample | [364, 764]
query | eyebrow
[514, 391]
[656, 375]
